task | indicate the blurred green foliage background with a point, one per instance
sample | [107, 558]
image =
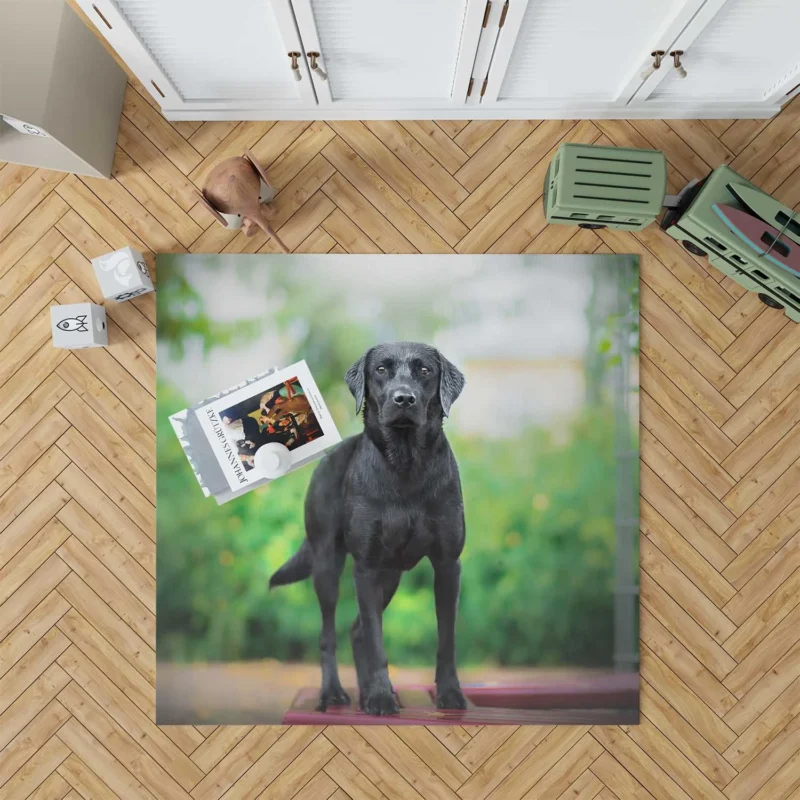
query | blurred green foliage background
[538, 570]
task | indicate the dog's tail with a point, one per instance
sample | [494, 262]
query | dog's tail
[297, 568]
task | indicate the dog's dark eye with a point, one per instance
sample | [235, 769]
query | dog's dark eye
[425, 371]
[381, 370]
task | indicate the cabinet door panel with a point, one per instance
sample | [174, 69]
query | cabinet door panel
[390, 53]
[209, 54]
[747, 52]
[580, 51]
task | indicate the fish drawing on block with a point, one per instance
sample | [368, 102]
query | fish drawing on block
[77, 324]
[763, 238]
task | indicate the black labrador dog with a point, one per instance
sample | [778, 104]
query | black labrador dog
[389, 497]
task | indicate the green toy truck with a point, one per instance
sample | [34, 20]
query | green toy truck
[615, 187]
[701, 231]
[605, 187]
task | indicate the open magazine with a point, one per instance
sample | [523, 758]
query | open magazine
[222, 434]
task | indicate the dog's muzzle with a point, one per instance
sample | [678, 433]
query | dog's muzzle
[402, 409]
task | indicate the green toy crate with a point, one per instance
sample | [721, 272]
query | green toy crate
[598, 187]
[695, 224]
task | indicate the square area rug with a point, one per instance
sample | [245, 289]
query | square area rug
[494, 401]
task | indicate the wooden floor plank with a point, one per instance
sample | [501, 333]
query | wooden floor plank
[31, 666]
[437, 143]
[38, 698]
[674, 582]
[109, 588]
[37, 223]
[36, 770]
[155, 200]
[767, 616]
[476, 133]
[764, 546]
[691, 487]
[238, 759]
[684, 412]
[156, 164]
[101, 762]
[643, 768]
[209, 135]
[539, 143]
[112, 519]
[31, 266]
[426, 168]
[692, 635]
[681, 554]
[12, 176]
[83, 780]
[127, 569]
[31, 630]
[25, 199]
[491, 154]
[299, 153]
[691, 745]
[685, 701]
[764, 692]
[362, 145]
[452, 127]
[106, 475]
[686, 667]
[159, 131]
[89, 206]
[90, 606]
[681, 445]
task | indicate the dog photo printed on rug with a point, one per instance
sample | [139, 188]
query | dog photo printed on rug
[466, 552]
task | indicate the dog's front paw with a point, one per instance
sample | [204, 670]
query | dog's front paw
[450, 697]
[380, 702]
[334, 696]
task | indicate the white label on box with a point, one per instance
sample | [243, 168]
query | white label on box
[25, 127]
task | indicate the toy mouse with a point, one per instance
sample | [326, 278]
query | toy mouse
[236, 192]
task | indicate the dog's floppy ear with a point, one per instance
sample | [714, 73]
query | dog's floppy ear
[451, 383]
[355, 380]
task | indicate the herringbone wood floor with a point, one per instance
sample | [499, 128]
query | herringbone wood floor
[720, 548]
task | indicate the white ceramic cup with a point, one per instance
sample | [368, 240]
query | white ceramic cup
[273, 460]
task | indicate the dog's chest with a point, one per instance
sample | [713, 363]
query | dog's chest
[396, 537]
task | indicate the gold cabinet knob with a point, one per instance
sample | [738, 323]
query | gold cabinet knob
[312, 57]
[295, 65]
[676, 58]
[657, 55]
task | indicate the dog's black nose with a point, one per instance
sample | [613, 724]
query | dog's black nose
[404, 398]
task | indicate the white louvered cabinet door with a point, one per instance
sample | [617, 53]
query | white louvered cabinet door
[747, 51]
[208, 54]
[579, 53]
[390, 55]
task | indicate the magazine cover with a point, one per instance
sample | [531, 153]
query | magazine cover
[285, 407]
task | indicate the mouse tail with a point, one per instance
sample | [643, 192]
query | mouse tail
[268, 229]
[297, 568]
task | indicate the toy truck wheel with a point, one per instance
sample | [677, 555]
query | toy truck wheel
[769, 301]
[592, 226]
[694, 249]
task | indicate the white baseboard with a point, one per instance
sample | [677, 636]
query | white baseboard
[649, 111]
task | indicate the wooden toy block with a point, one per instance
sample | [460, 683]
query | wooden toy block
[122, 274]
[78, 325]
